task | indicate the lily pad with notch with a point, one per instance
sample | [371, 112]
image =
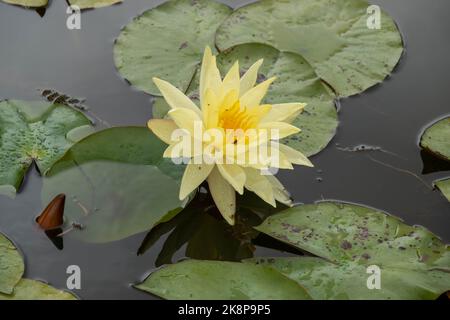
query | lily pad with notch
[348, 239]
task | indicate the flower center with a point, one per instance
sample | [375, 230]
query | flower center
[236, 118]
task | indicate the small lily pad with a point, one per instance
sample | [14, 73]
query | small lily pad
[436, 139]
[333, 36]
[168, 42]
[219, 280]
[89, 4]
[28, 289]
[34, 132]
[414, 263]
[11, 266]
[116, 183]
[444, 186]
[28, 3]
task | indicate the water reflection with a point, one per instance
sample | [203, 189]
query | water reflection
[432, 164]
[206, 235]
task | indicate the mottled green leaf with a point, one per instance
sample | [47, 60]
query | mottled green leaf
[219, 280]
[34, 132]
[444, 186]
[117, 184]
[436, 139]
[414, 263]
[332, 35]
[88, 4]
[28, 3]
[168, 42]
[296, 82]
[36, 290]
[11, 265]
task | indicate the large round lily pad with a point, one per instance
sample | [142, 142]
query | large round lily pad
[117, 184]
[35, 132]
[11, 266]
[296, 82]
[436, 139]
[218, 280]
[414, 263]
[168, 42]
[332, 35]
[28, 289]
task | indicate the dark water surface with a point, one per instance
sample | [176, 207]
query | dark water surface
[38, 53]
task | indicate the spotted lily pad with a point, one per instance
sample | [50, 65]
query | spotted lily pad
[414, 263]
[296, 82]
[28, 3]
[88, 4]
[436, 139]
[35, 132]
[168, 42]
[28, 289]
[11, 266]
[444, 186]
[116, 183]
[219, 280]
[333, 36]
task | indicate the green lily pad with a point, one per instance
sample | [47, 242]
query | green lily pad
[414, 263]
[36, 290]
[28, 3]
[11, 266]
[436, 139]
[332, 36]
[88, 4]
[117, 184]
[444, 186]
[35, 132]
[296, 82]
[219, 280]
[153, 46]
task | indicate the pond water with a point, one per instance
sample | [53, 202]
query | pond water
[40, 52]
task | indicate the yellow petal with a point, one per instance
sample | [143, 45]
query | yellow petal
[210, 108]
[193, 176]
[223, 194]
[294, 156]
[234, 174]
[162, 128]
[282, 129]
[174, 97]
[279, 191]
[254, 96]
[186, 119]
[232, 80]
[259, 184]
[250, 77]
[284, 112]
[209, 74]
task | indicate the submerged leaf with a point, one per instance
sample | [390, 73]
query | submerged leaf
[168, 42]
[117, 184]
[219, 280]
[333, 36]
[34, 132]
[414, 263]
[28, 289]
[436, 139]
[11, 265]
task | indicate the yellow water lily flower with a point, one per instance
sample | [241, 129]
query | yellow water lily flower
[230, 107]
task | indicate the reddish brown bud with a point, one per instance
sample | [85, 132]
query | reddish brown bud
[53, 216]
